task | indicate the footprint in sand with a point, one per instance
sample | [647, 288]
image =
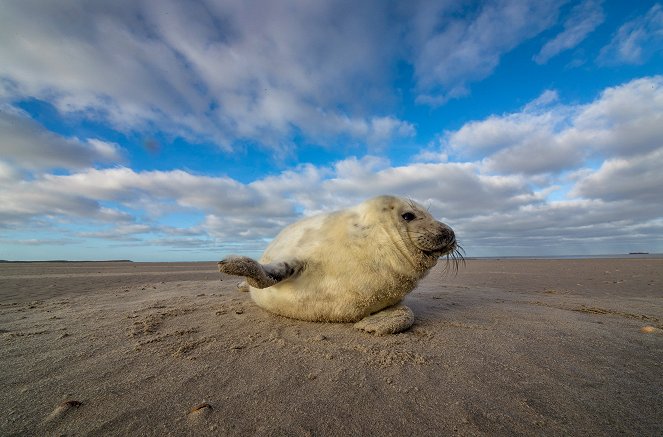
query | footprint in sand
[199, 412]
[63, 408]
[199, 417]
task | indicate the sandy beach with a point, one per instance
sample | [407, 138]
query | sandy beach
[505, 347]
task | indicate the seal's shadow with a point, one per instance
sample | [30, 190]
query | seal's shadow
[435, 304]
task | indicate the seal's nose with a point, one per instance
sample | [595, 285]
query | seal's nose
[447, 235]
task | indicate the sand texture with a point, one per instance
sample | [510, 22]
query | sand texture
[506, 347]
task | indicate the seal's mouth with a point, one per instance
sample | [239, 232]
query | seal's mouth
[453, 253]
[442, 243]
[446, 245]
[436, 253]
[444, 250]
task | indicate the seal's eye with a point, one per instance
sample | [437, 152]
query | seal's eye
[408, 216]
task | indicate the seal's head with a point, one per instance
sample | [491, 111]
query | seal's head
[424, 238]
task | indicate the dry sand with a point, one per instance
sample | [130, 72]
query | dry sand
[506, 347]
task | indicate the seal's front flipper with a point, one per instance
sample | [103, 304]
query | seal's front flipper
[258, 275]
[391, 320]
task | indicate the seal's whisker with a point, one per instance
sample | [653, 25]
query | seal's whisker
[454, 259]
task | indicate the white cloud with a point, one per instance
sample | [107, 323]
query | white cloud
[8, 172]
[492, 214]
[218, 71]
[569, 227]
[28, 145]
[624, 120]
[534, 156]
[213, 194]
[500, 200]
[637, 179]
[583, 19]
[235, 212]
[546, 99]
[23, 201]
[453, 190]
[548, 138]
[384, 128]
[481, 138]
[455, 52]
[208, 70]
[636, 40]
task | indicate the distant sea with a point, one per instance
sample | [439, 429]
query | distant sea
[611, 256]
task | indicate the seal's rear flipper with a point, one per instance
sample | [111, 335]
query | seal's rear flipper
[390, 320]
[258, 275]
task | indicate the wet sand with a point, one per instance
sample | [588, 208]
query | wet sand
[506, 347]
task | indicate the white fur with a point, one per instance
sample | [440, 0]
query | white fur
[357, 261]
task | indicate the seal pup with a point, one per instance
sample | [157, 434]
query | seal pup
[352, 265]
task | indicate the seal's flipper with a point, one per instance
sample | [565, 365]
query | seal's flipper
[390, 320]
[253, 271]
[258, 275]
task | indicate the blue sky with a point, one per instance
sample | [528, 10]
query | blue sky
[189, 130]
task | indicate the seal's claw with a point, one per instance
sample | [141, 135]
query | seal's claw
[391, 320]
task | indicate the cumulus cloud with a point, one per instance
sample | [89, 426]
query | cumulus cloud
[453, 190]
[8, 172]
[583, 19]
[231, 212]
[500, 200]
[492, 214]
[218, 72]
[481, 138]
[27, 144]
[567, 227]
[637, 179]
[636, 40]
[213, 194]
[548, 137]
[208, 71]
[625, 120]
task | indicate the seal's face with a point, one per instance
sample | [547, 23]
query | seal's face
[414, 232]
[431, 237]
[424, 238]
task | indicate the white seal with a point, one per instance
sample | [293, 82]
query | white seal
[353, 265]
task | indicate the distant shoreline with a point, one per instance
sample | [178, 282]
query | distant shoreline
[631, 255]
[68, 261]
